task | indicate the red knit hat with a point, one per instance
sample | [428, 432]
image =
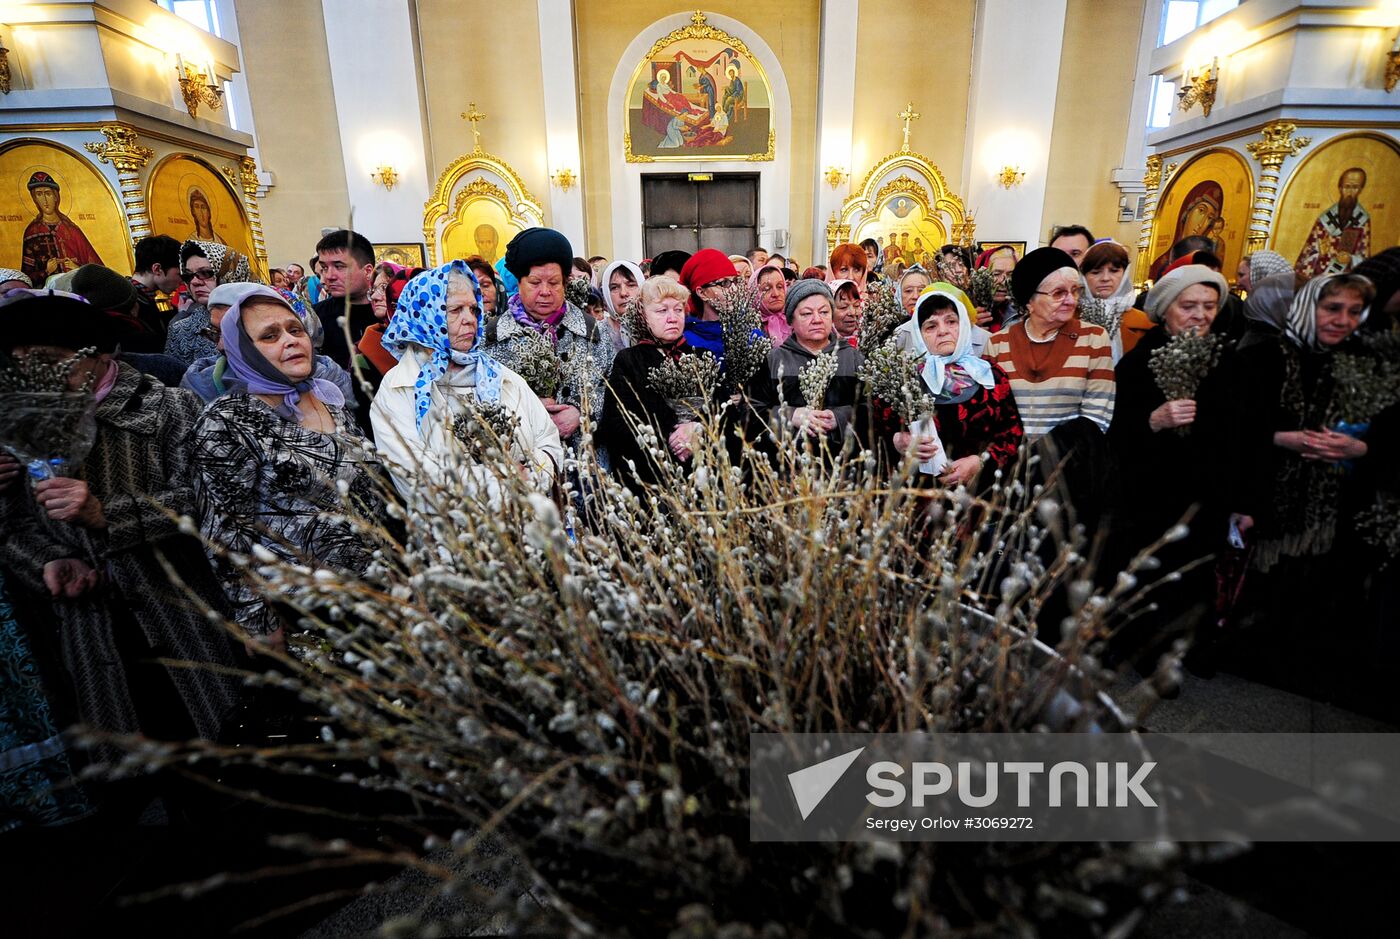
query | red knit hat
[705, 267]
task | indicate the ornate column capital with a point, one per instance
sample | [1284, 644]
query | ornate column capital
[120, 149]
[1278, 143]
[248, 176]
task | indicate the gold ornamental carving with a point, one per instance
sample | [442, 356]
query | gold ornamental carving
[515, 197]
[899, 174]
[699, 29]
[1155, 177]
[248, 177]
[128, 157]
[1277, 145]
[769, 154]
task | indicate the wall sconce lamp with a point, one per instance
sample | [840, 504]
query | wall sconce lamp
[1010, 177]
[386, 176]
[564, 179]
[198, 86]
[1392, 67]
[4, 68]
[836, 175]
[1200, 87]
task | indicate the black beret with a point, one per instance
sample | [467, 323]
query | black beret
[536, 246]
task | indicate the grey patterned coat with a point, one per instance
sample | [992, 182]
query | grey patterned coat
[138, 468]
[579, 334]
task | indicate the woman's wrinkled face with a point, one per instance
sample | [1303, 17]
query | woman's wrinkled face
[281, 337]
[622, 289]
[1338, 316]
[488, 294]
[909, 289]
[665, 318]
[379, 297]
[1193, 310]
[542, 290]
[461, 314]
[772, 291]
[954, 267]
[1055, 300]
[811, 321]
[846, 317]
[1104, 281]
[940, 332]
[1001, 266]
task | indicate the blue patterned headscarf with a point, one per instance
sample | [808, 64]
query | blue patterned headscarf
[421, 319]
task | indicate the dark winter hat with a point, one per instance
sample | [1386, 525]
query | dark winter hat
[803, 289]
[103, 287]
[536, 246]
[47, 319]
[1031, 271]
[42, 179]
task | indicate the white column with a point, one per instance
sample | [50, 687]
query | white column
[1011, 114]
[374, 77]
[559, 67]
[1127, 176]
[836, 103]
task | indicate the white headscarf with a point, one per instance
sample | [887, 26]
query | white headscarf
[606, 285]
[910, 338]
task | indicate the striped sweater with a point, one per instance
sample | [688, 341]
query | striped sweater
[1057, 381]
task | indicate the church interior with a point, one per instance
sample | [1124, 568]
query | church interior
[1250, 137]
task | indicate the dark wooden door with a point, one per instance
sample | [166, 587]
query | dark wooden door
[680, 214]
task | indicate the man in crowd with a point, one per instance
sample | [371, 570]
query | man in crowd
[157, 272]
[346, 260]
[1073, 240]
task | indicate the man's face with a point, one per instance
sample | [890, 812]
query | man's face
[167, 279]
[1073, 245]
[294, 275]
[341, 275]
[871, 257]
[45, 199]
[1350, 187]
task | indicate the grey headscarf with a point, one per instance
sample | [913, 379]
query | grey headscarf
[1270, 299]
[1301, 328]
[1265, 264]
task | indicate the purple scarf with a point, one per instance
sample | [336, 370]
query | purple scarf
[550, 326]
[249, 370]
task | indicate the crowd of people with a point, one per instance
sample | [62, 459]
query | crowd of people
[1266, 420]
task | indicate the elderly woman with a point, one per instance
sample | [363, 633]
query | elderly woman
[845, 316]
[912, 284]
[1170, 451]
[1109, 298]
[633, 404]
[1257, 265]
[541, 259]
[1061, 369]
[493, 292]
[89, 550]
[975, 415]
[706, 274]
[278, 463]
[622, 281]
[809, 309]
[439, 375]
[208, 377]
[770, 290]
[203, 266]
[1000, 261]
[388, 284]
[849, 262]
[1312, 449]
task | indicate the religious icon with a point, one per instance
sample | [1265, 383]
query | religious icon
[901, 207]
[203, 216]
[404, 255]
[481, 227]
[57, 213]
[1212, 197]
[52, 243]
[190, 200]
[1335, 209]
[487, 240]
[699, 95]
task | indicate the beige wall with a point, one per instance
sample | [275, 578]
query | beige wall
[499, 70]
[1092, 109]
[913, 52]
[607, 27]
[289, 82]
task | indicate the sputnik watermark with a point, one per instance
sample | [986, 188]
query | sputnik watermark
[1074, 787]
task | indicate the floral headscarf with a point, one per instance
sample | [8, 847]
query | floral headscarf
[421, 319]
[962, 357]
[1301, 328]
[254, 374]
[229, 266]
